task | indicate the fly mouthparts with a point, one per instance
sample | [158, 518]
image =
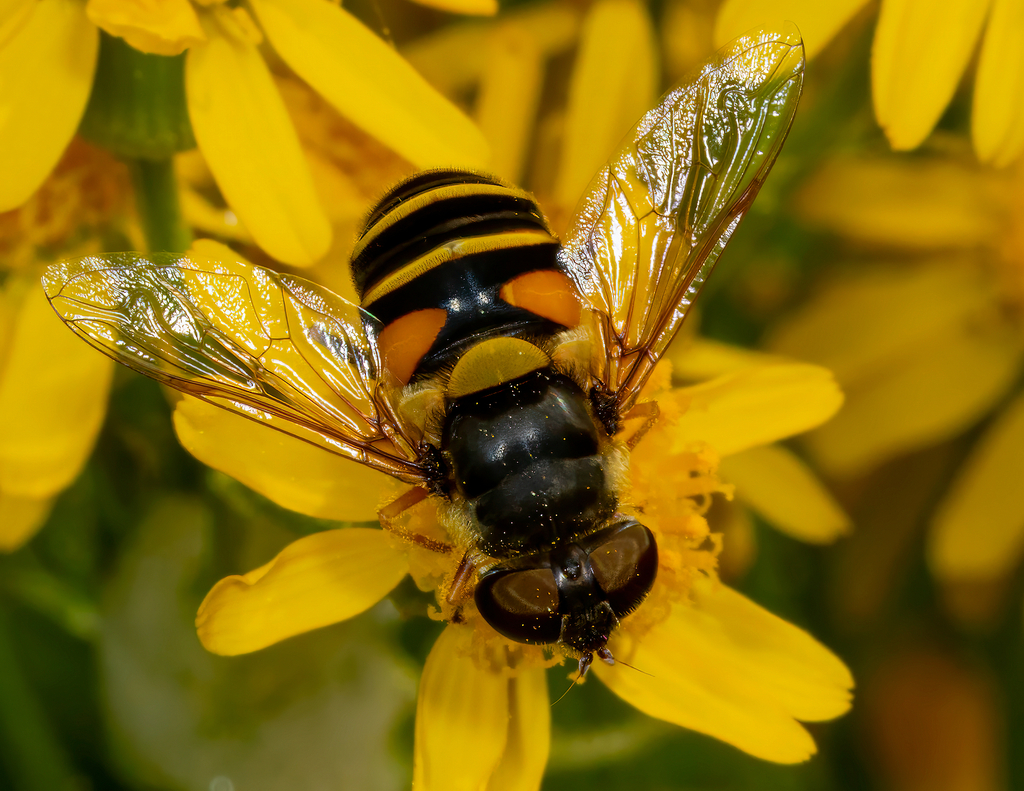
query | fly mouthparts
[588, 659]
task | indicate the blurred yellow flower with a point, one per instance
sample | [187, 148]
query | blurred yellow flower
[718, 663]
[554, 151]
[919, 55]
[53, 394]
[929, 345]
[48, 53]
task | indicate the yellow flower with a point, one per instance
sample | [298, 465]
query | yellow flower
[770, 479]
[718, 663]
[929, 345]
[53, 394]
[48, 53]
[919, 55]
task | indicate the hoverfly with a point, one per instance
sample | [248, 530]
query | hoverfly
[487, 365]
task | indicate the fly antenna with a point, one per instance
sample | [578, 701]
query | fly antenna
[606, 656]
[633, 667]
[572, 684]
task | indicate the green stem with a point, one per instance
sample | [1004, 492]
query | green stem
[139, 112]
[30, 752]
[137, 108]
[156, 191]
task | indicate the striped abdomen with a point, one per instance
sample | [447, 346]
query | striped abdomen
[450, 258]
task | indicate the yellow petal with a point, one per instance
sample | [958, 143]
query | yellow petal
[685, 32]
[756, 406]
[863, 326]
[904, 203]
[46, 70]
[53, 396]
[244, 132]
[705, 359]
[553, 26]
[292, 473]
[926, 398]
[780, 487]
[509, 94]
[918, 56]
[20, 518]
[978, 530]
[13, 15]
[370, 83]
[615, 70]
[430, 56]
[210, 248]
[203, 216]
[469, 713]
[529, 734]
[818, 21]
[728, 668]
[159, 27]
[997, 121]
[475, 7]
[316, 581]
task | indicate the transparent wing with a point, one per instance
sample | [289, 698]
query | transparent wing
[273, 347]
[655, 220]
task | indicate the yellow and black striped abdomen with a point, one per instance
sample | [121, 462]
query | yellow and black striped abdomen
[450, 258]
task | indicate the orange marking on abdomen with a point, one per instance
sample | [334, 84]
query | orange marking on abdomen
[547, 293]
[405, 341]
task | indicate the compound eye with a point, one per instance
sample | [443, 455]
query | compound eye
[625, 563]
[521, 605]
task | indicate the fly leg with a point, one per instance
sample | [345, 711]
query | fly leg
[649, 412]
[461, 588]
[388, 516]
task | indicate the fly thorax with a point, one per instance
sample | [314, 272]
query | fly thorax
[527, 456]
